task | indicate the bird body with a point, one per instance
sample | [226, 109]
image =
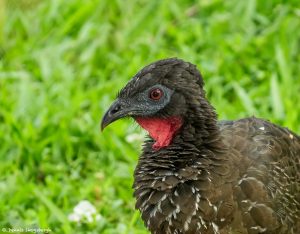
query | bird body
[198, 175]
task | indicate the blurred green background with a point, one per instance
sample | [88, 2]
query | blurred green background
[62, 63]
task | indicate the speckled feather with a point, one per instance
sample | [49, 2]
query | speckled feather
[215, 177]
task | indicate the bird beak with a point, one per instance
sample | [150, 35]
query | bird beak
[116, 111]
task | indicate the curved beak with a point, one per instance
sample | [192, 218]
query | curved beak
[116, 111]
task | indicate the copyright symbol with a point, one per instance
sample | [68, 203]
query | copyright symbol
[3, 229]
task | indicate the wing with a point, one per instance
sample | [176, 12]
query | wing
[267, 189]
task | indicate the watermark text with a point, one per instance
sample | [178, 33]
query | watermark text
[24, 230]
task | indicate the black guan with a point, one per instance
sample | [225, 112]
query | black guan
[200, 175]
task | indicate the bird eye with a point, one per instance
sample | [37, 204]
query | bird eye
[156, 94]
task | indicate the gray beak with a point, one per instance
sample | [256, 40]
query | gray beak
[116, 111]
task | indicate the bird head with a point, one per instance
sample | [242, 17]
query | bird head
[160, 98]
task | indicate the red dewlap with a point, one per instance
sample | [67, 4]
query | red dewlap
[161, 130]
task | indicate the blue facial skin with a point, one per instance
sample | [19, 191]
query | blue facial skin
[139, 104]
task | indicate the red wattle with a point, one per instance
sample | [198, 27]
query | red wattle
[160, 129]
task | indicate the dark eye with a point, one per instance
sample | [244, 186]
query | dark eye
[156, 94]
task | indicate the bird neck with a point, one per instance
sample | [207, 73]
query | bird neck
[201, 128]
[182, 139]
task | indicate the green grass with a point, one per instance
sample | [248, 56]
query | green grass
[62, 62]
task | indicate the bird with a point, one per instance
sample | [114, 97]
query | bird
[198, 174]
